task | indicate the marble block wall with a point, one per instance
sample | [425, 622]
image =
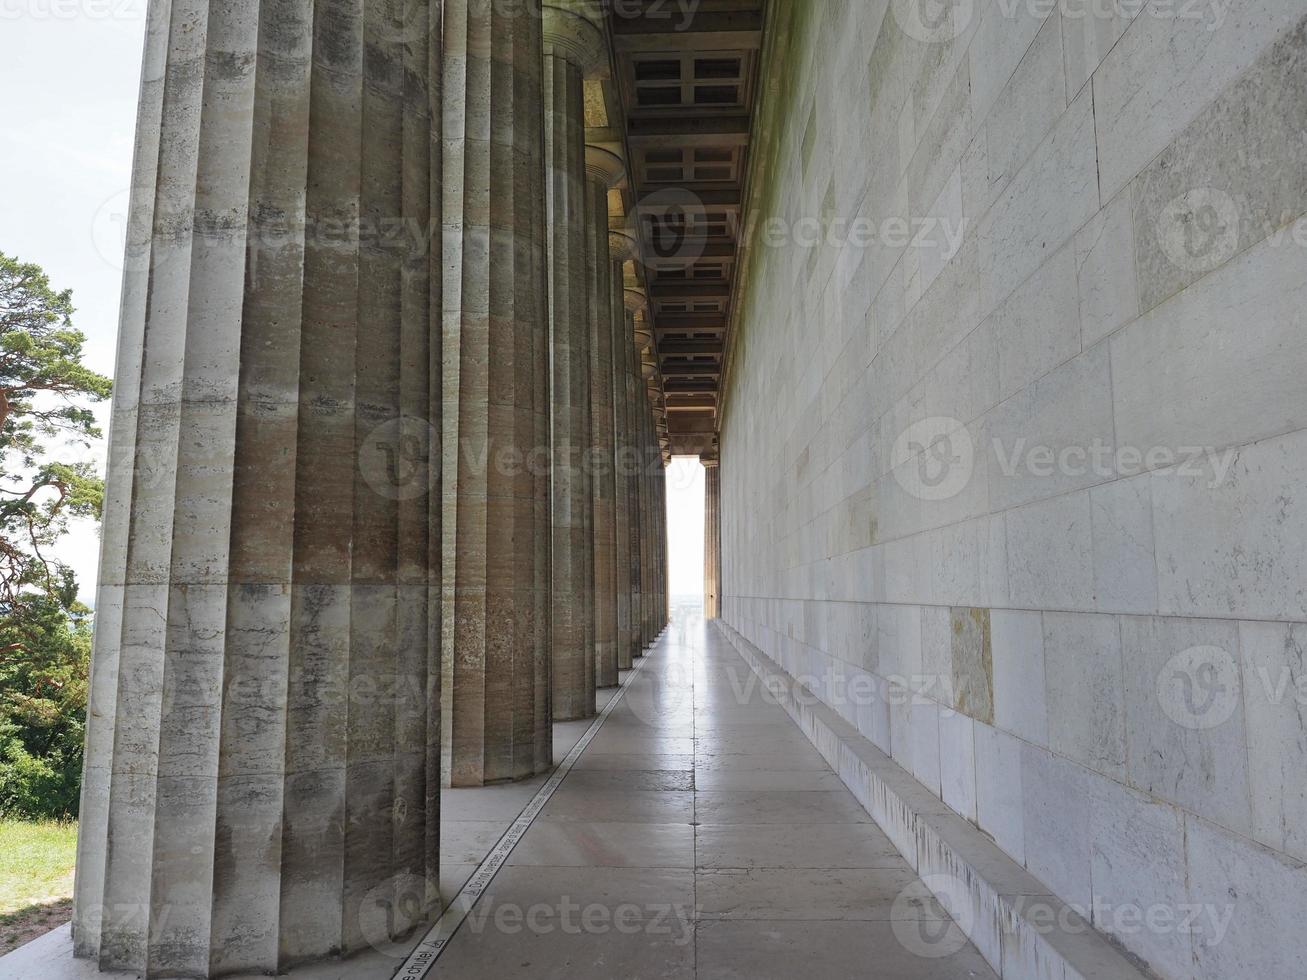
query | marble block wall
[1015, 437]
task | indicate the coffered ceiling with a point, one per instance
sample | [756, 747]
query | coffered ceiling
[685, 78]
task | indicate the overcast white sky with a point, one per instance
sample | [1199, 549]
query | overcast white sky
[69, 74]
[685, 486]
[69, 71]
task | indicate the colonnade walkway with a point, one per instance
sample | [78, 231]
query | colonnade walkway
[698, 834]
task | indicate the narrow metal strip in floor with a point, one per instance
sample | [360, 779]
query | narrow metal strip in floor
[422, 960]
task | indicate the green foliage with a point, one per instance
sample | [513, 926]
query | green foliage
[45, 637]
[44, 394]
[43, 690]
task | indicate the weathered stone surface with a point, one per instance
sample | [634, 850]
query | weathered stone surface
[1055, 820]
[1030, 104]
[1185, 721]
[1084, 677]
[1038, 326]
[957, 762]
[1274, 678]
[572, 603]
[603, 170]
[1081, 384]
[999, 797]
[1251, 310]
[1020, 698]
[1089, 31]
[1165, 69]
[495, 666]
[1050, 554]
[1105, 265]
[973, 664]
[1221, 548]
[621, 248]
[1257, 893]
[1125, 575]
[262, 764]
[1138, 863]
[712, 544]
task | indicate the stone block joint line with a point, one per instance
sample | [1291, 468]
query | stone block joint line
[422, 960]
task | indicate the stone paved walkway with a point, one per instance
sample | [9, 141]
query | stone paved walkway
[699, 835]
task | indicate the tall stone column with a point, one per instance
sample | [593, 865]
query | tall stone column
[650, 464]
[642, 483]
[495, 669]
[711, 540]
[574, 50]
[621, 247]
[660, 477]
[261, 783]
[603, 170]
[636, 305]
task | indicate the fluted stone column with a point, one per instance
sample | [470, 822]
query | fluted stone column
[621, 247]
[574, 50]
[261, 783]
[650, 464]
[603, 170]
[652, 467]
[663, 604]
[712, 539]
[633, 463]
[495, 669]
[642, 481]
[665, 607]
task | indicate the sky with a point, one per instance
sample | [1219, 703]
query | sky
[69, 74]
[685, 487]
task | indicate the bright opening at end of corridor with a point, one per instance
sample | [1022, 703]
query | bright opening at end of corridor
[685, 513]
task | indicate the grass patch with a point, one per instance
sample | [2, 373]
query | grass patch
[36, 878]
